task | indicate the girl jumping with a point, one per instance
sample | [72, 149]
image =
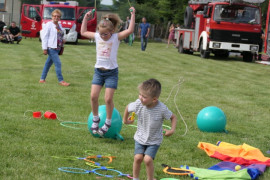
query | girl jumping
[106, 67]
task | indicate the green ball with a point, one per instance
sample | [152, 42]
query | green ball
[116, 123]
[211, 119]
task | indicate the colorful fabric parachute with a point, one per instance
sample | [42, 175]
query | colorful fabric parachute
[218, 175]
[240, 154]
[254, 170]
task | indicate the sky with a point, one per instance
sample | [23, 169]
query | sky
[106, 2]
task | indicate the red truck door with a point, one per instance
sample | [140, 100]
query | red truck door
[91, 24]
[31, 20]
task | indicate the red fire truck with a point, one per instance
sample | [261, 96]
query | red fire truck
[34, 17]
[267, 33]
[220, 27]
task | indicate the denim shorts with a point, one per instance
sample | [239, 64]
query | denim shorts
[150, 150]
[107, 77]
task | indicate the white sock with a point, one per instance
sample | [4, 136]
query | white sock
[108, 121]
[95, 123]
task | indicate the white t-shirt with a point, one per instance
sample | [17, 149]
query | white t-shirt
[107, 51]
[150, 120]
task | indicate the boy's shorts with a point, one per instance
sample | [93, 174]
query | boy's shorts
[107, 77]
[150, 150]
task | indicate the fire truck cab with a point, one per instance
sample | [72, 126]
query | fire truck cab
[220, 27]
[34, 18]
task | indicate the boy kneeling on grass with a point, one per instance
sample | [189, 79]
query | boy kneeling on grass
[151, 113]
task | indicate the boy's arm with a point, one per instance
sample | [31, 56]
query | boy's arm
[173, 126]
[84, 31]
[127, 32]
[126, 117]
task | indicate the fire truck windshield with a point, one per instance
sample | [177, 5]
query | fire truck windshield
[67, 13]
[237, 14]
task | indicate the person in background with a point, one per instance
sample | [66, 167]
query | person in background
[52, 42]
[126, 27]
[15, 32]
[171, 35]
[144, 31]
[6, 34]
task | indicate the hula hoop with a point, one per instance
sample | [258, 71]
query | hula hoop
[72, 158]
[92, 153]
[110, 176]
[99, 156]
[97, 165]
[74, 123]
[74, 170]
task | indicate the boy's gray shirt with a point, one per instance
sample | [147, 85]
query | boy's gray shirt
[150, 120]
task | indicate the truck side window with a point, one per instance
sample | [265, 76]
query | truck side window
[33, 13]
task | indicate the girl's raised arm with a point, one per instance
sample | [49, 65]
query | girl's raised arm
[84, 31]
[127, 32]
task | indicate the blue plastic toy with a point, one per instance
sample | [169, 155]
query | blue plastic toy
[116, 124]
[211, 119]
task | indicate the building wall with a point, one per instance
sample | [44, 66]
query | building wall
[11, 13]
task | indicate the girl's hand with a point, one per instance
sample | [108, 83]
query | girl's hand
[88, 14]
[132, 10]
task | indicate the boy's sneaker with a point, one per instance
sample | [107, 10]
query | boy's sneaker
[42, 81]
[63, 83]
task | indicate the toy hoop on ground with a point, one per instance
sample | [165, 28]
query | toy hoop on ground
[74, 170]
[84, 171]
[99, 156]
[110, 176]
[176, 171]
[74, 123]
[97, 165]
[71, 158]
[92, 153]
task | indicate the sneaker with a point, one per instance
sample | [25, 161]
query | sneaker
[63, 83]
[42, 81]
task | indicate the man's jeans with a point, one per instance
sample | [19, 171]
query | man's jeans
[143, 42]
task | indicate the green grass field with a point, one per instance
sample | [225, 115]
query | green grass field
[240, 89]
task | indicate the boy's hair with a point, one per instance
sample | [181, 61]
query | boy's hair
[152, 87]
[110, 22]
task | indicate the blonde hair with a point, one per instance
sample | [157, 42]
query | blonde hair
[152, 87]
[110, 22]
[57, 11]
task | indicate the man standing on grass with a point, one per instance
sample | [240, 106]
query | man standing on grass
[15, 32]
[144, 31]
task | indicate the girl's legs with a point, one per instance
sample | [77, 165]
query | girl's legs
[149, 167]
[109, 92]
[95, 91]
[138, 158]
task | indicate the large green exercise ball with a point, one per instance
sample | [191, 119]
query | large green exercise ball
[116, 124]
[211, 119]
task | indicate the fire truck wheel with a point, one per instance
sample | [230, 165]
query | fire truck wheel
[180, 46]
[247, 56]
[204, 54]
[188, 17]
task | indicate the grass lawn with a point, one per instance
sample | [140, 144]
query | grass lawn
[240, 89]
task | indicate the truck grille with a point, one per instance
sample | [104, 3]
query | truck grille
[235, 36]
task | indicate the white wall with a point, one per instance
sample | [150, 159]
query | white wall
[7, 15]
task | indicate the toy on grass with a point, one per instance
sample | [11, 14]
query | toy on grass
[116, 123]
[211, 119]
[84, 171]
[176, 171]
[88, 158]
